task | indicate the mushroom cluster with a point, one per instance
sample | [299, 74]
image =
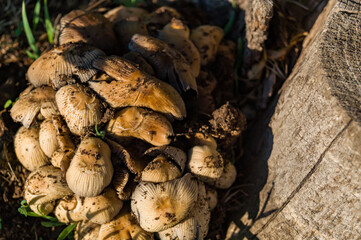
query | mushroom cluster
[126, 72]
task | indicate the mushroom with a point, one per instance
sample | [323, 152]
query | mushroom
[140, 62]
[119, 13]
[136, 88]
[143, 124]
[31, 102]
[123, 183]
[124, 227]
[27, 148]
[227, 178]
[42, 187]
[158, 206]
[205, 163]
[80, 107]
[177, 155]
[207, 39]
[47, 137]
[86, 230]
[90, 170]
[176, 35]
[90, 27]
[211, 197]
[161, 169]
[61, 159]
[169, 64]
[161, 16]
[64, 64]
[126, 28]
[201, 139]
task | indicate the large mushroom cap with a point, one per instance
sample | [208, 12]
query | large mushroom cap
[119, 13]
[163, 205]
[90, 170]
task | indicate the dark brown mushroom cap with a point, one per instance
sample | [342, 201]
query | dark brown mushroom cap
[89, 27]
[169, 64]
[140, 62]
[161, 16]
[62, 64]
[119, 13]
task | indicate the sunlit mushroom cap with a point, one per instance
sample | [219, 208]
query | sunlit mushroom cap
[80, 107]
[119, 13]
[67, 209]
[161, 16]
[29, 104]
[201, 139]
[143, 124]
[47, 137]
[43, 186]
[139, 61]
[161, 169]
[90, 170]
[86, 230]
[158, 206]
[27, 148]
[227, 178]
[62, 64]
[173, 153]
[90, 27]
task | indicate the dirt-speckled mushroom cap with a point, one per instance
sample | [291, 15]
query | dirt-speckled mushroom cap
[62, 64]
[207, 39]
[90, 170]
[133, 87]
[47, 137]
[119, 13]
[158, 206]
[174, 153]
[124, 227]
[86, 230]
[161, 169]
[90, 27]
[162, 15]
[227, 178]
[79, 107]
[168, 63]
[43, 186]
[27, 148]
[139, 61]
[33, 101]
[143, 124]
[212, 197]
[205, 163]
[201, 139]
[67, 209]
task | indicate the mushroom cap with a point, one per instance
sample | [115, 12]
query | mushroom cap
[86, 230]
[162, 15]
[90, 170]
[30, 103]
[61, 64]
[62, 134]
[176, 28]
[67, 209]
[158, 206]
[47, 137]
[168, 63]
[27, 148]
[122, 182]
[211, 197]
[227, 178]
[143, 124]
[174, 153]
[161, 169]
[205, 163]
[124, 227]
[43, 208]
[140, 62]
[79, 107]
[201, 139]
[126, 28]
[90, 27]
[136, 88]
[119, 13]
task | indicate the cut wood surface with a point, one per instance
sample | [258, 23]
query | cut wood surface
[304, 159]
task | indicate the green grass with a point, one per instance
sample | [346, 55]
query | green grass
[36, 16]
[29, 35]
[48, 25]
[101, 133]
[231, 20]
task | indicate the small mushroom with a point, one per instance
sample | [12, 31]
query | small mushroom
[205, 163]
[33, 101]
[227, 178]
[201, 139]
[27, 148]
[86, 230]
[169, 64]
[207, 39]
[161, 16]
[90, 170]
[139, 61]
[161, 169]
[175, 154]
[136, 88]
[212, 197]
[80, 108]
[126, 28]
[62, 64]
[143, 124]
[42, 187]
[47, 137]
[89, 27]
[158, 206]
[119, 13]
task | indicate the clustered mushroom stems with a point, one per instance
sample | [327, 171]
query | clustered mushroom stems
[123, 72]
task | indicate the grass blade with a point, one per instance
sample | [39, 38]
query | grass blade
[36, 16]
[48, 25]
[28, 33]
[52, 224]
[8, 103]
[66, 231]
[231, 19]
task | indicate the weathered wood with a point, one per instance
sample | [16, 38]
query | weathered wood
[306, 163]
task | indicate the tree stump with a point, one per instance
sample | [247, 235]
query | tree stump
[304, 157]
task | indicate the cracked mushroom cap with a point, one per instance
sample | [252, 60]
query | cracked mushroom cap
[227, 178]
[133, 87]
[119, 13]
[47, 137]
[43, 186]
[86, 230]
[143, 124]
[90, 170]
[158, 206]
[31, 103]
[28, 150]
[168, 63]
[124, 227]
[62, 64]
[161, 169]
[89, 27]
[177, 155]
[205, 163]
[80, 107]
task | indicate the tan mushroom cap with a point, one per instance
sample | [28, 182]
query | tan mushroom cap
[227, 178]
[158, 206]
[90, 170]
[140, 62]
[122, 183]
[60, 65]
[67, 209]
[161, 169]
[28, 150]
[207, 39]
[136, 88]
[33, 101]
[124, 227]
[86, 230]
[43, 186]
[119, 13]
[80, 108]
[89, 27]
[201, 139]
[162, 16]
[143, 124]
[47, 137]
[174, 153]
[168, 63]
[62, 134]
[205, 163]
